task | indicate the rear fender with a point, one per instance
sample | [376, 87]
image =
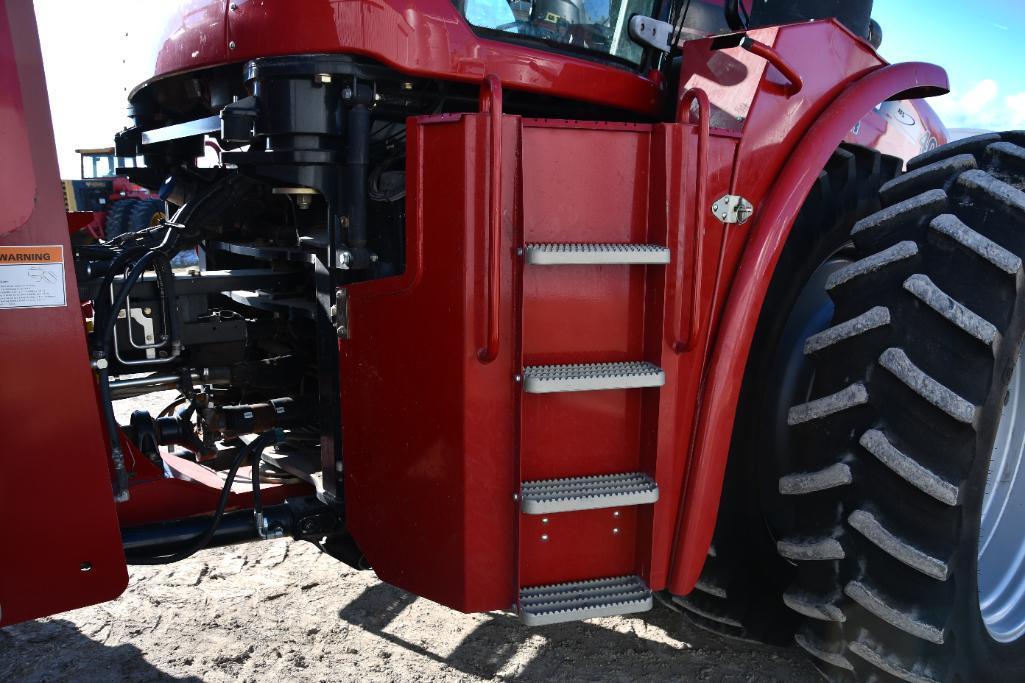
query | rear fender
[774, 217]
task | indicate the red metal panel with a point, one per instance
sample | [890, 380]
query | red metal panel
[579, 545]
[420, 37]
[430, 462]
[17, 172]
[64, 547]
[838, 107]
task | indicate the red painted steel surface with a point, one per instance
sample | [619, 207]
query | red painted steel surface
[63, 547]
[430, 453]
[771, 227]
[422, 420]
[426, 38]
[17, 172]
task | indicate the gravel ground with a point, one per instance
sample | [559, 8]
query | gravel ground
[283, 611]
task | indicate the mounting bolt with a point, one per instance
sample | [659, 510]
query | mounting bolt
[338, 467]
[518, 378]
[231, 45]
[516, 496]
[544, 520]
[615, 513]
[615, 531]
[343, 221]
[347, 94]
[544, 537]
[519, 251]
[100, 364]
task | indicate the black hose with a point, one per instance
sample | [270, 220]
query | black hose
[253, 450]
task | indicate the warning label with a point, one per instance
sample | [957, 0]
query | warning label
[32, 277]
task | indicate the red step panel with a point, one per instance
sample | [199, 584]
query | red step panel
[580, 545]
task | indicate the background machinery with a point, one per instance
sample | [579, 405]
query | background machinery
[553, 306]
[108, 204]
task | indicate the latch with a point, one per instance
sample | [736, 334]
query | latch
[732, 208]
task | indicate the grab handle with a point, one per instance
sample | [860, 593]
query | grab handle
[491, 102]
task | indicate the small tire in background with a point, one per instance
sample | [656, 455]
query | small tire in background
[145, 214]
[118, 218]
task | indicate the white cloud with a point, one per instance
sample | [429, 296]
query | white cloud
[982, 107]
[1016, 109]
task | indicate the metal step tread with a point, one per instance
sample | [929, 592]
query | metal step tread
[576, 600]
[583, 253]
[545, 379]
[587, 493]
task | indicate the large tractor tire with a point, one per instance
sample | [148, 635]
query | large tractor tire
[904, 510]
[117, 218]
[738, 594]
[146, 213]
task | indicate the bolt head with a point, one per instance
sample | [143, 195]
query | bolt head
[544, 537]
[347, 94]
[544, 520]
[615, 531]
[231, 45]
[615, 513]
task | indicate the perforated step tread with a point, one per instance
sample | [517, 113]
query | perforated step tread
[561, 602]
[581, 253]
[546, 379]
[587, 493]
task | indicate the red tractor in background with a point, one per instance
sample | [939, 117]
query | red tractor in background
[553, 306]
[116, 205]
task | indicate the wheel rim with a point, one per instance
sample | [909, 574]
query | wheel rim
[1002, 523]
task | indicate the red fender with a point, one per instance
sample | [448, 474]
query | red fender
[721, 390]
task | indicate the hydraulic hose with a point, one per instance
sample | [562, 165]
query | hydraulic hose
[252, 451]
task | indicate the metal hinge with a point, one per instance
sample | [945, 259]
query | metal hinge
[651, 32]
[732, 208]
[340, 313]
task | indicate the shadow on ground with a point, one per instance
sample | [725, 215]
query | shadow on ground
[581, 650]
[64, 648]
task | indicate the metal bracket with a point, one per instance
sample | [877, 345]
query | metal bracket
[732, 208]
[651, 32]
[340, 313]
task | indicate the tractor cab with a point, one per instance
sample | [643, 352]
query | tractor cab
[102, 163]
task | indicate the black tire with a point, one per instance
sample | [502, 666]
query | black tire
[738, 594]
[117, 218]
[891, 447]
[145, 213]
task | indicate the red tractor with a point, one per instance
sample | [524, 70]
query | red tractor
[549, 306]
[109, 204]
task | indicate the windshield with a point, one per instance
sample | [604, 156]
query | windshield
[596, 25]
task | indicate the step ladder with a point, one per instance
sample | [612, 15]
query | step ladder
[597, 596]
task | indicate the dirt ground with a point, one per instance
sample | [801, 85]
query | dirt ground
[282, 611]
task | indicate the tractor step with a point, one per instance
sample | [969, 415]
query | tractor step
[546, 379]
[575, 253]
[588, 493]
[576, 600]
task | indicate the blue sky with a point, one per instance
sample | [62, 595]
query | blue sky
[91, 53]
[980, 43]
